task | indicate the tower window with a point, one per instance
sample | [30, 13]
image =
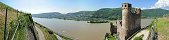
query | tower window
[125, 5]
[129, 5]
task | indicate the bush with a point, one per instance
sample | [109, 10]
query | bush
[139, 38]
[50, 32]
[44, 27]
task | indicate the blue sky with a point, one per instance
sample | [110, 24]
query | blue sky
[66, 6]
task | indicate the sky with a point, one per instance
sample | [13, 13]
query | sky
[69, 6]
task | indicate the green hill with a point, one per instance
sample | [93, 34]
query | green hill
[151, 13]
[46, 15]
[104, 14]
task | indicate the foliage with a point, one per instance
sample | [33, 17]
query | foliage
[139, 37]
[110, 37]
[24, 21]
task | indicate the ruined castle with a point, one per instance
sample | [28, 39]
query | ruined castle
[131, 21]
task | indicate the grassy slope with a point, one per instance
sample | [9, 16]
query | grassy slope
[20, 35]
[24, 18]
[163, 27]
[24, 22]
[11, 17]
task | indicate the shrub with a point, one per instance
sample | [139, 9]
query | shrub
[50, 32]
[139, 37]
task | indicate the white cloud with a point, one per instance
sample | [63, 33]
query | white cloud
[161, 4]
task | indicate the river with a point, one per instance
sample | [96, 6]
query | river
[79, 30]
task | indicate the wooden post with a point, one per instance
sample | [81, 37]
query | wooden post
[6, 16]
[17, 13]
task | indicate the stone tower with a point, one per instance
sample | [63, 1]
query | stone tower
[130, 21]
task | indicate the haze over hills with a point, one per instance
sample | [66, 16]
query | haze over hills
[48, 15]
[104, 13]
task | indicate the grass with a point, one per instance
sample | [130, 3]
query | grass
[23, 23]
[11, 22]
[20, 34]
[110, 37]
[162, 29]
[11, 17]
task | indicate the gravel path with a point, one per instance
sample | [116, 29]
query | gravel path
[40, 33]
[29, 34]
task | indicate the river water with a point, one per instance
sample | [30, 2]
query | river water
[79, 30]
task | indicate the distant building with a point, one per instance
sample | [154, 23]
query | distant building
[131, 21]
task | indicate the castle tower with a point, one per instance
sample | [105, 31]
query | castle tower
[130, 21]
[138, 18]
[126, 7]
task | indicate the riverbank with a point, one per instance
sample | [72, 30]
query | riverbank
[49, 34]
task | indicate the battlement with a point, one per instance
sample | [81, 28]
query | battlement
[126, 6]
[137, 11]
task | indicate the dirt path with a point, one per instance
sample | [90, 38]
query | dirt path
[40, 33]
[29, 34]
